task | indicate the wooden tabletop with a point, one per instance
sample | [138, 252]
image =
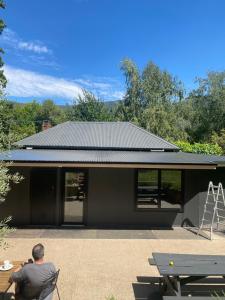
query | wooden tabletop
[5, 275]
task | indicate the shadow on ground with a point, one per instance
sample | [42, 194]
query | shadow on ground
[147, 288]
[7, 296]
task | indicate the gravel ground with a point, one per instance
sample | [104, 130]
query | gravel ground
[94, 269]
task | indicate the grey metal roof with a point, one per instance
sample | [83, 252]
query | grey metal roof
[109, 156]
[96, 135]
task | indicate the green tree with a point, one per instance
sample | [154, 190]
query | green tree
[159, 87]
[162, 120]
[219, 138]
[131, 107]
[3, 80]
[88, 108]
[51, 112]
[200, 148]
[208, 101]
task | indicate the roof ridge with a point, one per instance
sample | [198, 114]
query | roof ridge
[125, 122]
[156, 136]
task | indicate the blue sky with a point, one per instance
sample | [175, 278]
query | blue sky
[55, 48]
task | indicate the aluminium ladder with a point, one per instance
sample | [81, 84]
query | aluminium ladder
[213, 209]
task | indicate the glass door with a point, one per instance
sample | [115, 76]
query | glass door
[74, 196]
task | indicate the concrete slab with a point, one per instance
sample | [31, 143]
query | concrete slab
[83, 233]
[98, 268]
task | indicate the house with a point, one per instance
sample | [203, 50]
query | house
[107, 174]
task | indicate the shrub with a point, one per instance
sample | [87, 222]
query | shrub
[201, 148]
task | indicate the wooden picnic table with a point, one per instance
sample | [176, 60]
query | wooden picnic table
[180, 269]
[5, 275]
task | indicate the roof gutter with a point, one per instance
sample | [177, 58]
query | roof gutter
[115, 165]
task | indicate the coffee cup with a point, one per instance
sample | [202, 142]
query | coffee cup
[6, 264]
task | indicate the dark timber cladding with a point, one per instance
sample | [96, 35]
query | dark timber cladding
[107, 174]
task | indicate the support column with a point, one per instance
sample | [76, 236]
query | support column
[58, 206]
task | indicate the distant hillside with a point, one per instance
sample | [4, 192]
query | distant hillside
[111, 104]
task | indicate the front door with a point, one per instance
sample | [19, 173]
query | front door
[75, 196]
[43, 196]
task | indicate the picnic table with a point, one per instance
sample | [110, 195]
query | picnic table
[178, 270]
[5, 275]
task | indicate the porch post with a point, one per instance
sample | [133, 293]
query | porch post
[58, 197]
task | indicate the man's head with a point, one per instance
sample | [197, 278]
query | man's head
[38, 252]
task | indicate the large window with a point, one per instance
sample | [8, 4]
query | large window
[159, 189]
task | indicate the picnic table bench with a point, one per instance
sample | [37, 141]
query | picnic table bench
[178, 270]
[189, 298]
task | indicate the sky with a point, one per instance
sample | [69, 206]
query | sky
[54, 49]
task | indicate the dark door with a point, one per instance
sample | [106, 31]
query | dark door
[43, 196]
[75, 196]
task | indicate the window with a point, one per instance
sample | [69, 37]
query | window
[159, 189]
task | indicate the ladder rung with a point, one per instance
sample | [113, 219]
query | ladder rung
[222, 223]
[220, 202]
[223, 217]
[220, 209]
[207, 220]
[210, 203]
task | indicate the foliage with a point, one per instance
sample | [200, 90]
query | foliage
[3, 80]
[199, 148]
[6, 118]
[88, 108]
[150, 100]
[208, 101]
[219, 138]
[5, 229]
[131, 107]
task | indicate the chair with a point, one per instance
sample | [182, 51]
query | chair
[49, 287]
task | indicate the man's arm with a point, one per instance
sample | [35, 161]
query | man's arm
[17, 276]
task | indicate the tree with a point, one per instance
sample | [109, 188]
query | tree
[88, 108]
[163, 121]
[200, 148]
[159, 87]
[51, 112]
[152, 99]
[219, 138]
[3, 80]
[208, 101]
[131, 107]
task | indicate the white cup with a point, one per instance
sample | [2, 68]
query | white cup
[6, 264]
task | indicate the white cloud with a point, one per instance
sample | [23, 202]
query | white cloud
[33, 47]
[22, 83]
[106, 88]
[11, 39]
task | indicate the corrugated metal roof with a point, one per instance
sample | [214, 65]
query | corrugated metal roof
[96, 135]
[106, 156]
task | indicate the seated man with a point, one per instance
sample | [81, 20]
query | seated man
[32, 277]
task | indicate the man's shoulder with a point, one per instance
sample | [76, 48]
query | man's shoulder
[45, 265]
[49, 265]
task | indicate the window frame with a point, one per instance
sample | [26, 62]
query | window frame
[157, 209]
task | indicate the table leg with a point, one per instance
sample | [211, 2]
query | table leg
[173, 284]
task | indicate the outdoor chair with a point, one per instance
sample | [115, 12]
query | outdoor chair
[49, 288]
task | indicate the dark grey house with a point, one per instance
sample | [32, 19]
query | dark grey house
[107, 174]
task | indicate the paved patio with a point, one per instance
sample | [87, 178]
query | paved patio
[98, 268]
[82, 233]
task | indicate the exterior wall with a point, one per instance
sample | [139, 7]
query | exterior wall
[196, 185]
[17, 203]
[111, 201]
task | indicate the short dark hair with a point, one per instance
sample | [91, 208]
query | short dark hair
[38, 251]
